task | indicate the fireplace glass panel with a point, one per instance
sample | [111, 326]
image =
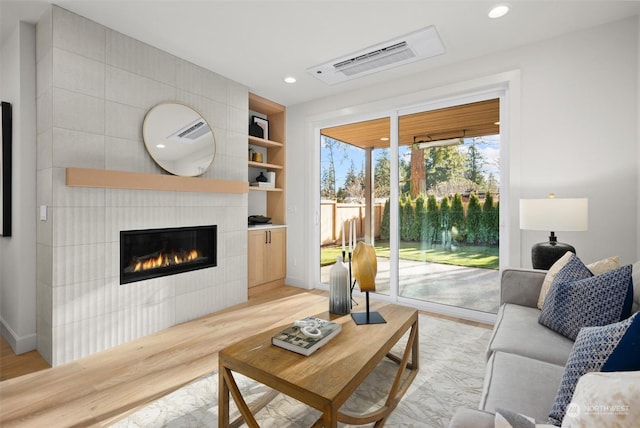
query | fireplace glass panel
[153, 253]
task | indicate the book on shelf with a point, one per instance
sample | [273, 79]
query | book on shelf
[262, 184]
[307, 335]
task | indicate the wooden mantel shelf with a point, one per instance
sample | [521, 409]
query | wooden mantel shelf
[84, 177]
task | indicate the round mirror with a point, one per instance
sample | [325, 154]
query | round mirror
[179, 139]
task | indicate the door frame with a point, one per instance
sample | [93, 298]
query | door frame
[506, 87]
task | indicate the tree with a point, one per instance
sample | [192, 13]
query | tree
[490, 222]
[420, 220]
[332, 148]
[443, 164]
[457, 217]
[433, 220]
[354, 184]
[474, 214]
[418, 184]
[382, 175]
[445, 223]
[475, 162]
[384, 224]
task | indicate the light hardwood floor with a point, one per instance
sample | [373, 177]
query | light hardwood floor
[102, 388]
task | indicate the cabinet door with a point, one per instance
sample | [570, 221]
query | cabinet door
[256, 258]
[277, 254]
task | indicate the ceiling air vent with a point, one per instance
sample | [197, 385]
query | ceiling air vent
[190, 132]
[420, 44]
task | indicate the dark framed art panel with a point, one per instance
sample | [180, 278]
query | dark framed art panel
[5, 170]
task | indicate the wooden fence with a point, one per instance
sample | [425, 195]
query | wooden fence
[334, 214]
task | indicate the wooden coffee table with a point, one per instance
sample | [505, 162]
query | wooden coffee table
[327, 378]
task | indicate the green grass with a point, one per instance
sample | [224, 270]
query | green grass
[464, 255]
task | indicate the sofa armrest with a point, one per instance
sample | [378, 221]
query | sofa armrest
[470, 418]
[521, 286]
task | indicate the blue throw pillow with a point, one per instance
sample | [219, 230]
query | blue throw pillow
[611, 348]
[578, 299]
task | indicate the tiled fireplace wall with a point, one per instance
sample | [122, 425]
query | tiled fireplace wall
[94, 87]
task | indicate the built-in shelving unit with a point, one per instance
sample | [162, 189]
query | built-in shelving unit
[273, 149]
[267, 257]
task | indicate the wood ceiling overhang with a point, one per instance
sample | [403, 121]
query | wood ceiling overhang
[468, 120]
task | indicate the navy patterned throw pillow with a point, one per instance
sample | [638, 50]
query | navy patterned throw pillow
[611, 348]
[578, 299]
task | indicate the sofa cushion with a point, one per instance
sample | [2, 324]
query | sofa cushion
[517, 331]
[615, 347]
[507, 419]
[466, 418]
[593, 301]
[636, 286]
[596, 268]
[520, 384]
[605, 400]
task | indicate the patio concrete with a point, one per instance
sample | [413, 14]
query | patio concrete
[472, 288]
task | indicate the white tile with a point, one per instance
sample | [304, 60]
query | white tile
[44, 269]
[131, 89]
[44, 152]
[78, 226]
[44, 34]
[78, 73]
[44, 230]
[79, 35]
[44, 300]
[44, 108]
[44, 73]
[68, 196]
[238, 95]
[128, 155]
[78, 149]
[72, 110]
[197, 80]
[139, 58]
[237, 120]
[44, 187]
[124, 121]
[214, 112]
[78, 263]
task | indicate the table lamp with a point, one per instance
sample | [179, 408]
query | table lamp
[553, 214]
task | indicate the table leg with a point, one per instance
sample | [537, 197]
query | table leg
[223, 399]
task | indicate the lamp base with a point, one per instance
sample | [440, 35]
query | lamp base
[545, 254]
[368, 318]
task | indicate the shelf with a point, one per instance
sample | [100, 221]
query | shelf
[264, 165]
[261, 142]
[265, 189]
[100, 178]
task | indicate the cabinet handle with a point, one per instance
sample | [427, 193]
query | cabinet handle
[266, 236]
[269, 237]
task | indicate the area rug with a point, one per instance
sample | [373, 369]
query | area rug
[452, 361]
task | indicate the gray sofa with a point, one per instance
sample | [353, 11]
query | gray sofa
[525, 360]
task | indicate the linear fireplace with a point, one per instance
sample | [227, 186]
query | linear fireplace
[153, 253]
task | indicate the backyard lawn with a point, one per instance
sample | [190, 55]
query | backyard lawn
[476, 256]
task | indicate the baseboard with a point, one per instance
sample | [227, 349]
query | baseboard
[20, 345]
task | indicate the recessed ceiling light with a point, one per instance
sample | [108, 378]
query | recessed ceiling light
[290, 79]
[499, 11]
[384, 139]
[160, 146]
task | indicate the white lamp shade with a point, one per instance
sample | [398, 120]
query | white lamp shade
[553, 214]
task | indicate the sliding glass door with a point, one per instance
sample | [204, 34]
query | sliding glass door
[427, 198]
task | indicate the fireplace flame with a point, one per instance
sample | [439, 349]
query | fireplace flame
[164, 260]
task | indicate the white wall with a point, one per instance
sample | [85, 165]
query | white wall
[576, 136]
[17, 275]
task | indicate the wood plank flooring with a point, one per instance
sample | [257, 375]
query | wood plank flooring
[94, 390]
[102, 388]
[12, 365]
